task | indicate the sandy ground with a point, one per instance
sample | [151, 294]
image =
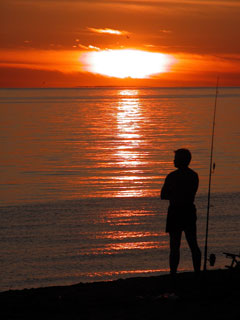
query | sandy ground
[216, 295]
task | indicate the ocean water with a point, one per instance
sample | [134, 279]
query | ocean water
[81, 171]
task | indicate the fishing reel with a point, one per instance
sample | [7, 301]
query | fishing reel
[212, 259]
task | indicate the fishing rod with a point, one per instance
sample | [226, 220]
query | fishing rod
[212, 166]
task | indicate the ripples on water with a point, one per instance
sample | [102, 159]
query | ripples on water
[73, 241]
[74, 143]
[113, 148]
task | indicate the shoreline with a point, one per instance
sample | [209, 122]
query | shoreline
[216, 294]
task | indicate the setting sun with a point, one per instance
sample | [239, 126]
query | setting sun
[128, 63]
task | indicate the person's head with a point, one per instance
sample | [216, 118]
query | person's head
[182, 158]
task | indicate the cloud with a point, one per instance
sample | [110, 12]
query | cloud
[108, 31]
[129, 2]
[66, 61]
[89, 47]
[165, 31]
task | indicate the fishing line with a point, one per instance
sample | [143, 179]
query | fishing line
[212, 166]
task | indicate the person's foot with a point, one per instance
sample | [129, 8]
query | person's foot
[173, 282]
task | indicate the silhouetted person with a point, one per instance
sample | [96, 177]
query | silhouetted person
[179, 188]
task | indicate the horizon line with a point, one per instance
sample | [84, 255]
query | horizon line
[128, 86]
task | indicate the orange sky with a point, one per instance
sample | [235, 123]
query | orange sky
[42, 41]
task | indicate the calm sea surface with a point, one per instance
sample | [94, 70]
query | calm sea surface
[80, 176]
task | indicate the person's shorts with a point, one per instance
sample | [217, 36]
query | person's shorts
[180, 218]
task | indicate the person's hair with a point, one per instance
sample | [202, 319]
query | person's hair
[183, 157]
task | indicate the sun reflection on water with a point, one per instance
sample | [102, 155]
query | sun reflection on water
[128, 272]
[132, 159]
[129, 138]
[129, 92]
[122, 234]
[140, 245]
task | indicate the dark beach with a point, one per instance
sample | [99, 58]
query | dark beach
[216, 296]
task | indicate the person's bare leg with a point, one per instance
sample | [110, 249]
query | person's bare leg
[174, 257]
[191, 238]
